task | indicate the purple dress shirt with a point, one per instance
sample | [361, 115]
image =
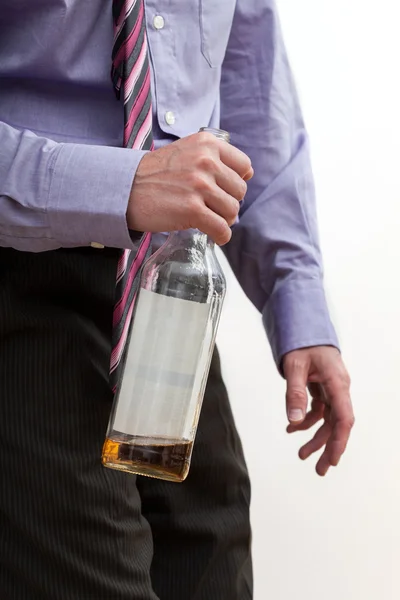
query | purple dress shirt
[65, 180]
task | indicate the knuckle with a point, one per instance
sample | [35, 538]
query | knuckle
[194, 206]
[346, 379]
[343, 381]
[231, 212]
[294, 363]
[245, 164]
[206, 162]
[296, 395]
[241, 190]
[348, 424]
[222, 233]
[198, 182]
[338, 378]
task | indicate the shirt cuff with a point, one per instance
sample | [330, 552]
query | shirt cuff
[297, 316]
[89, 194]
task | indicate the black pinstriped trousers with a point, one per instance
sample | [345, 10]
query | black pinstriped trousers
[69, 528]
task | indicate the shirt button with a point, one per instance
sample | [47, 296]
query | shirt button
[158, 22]
[96, 245]
[169, 118]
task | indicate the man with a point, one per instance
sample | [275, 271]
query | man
[70, 197]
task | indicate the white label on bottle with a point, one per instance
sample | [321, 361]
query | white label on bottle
[165, 349]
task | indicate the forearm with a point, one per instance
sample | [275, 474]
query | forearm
[63, 195]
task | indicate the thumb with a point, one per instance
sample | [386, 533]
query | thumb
[296, 374]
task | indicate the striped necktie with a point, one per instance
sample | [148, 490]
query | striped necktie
[131, 78]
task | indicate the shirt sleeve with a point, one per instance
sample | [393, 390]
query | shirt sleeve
[274, 250]
[63, 195]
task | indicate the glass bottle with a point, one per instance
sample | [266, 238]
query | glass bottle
[157, 404]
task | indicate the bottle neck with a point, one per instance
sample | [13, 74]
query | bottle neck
[218, 133]
[193, 238]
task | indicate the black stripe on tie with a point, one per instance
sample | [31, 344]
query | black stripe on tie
[148, 141]
[139, 122]
[118, 6]
[127, 29]
[136, 89]
[132, 59]
[118, 327]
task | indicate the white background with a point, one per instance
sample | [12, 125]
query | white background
[336, 538]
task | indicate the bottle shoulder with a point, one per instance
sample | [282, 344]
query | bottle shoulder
[184, 272]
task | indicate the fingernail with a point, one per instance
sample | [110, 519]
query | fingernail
[295, 415]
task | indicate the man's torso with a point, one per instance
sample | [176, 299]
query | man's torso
[55, 58]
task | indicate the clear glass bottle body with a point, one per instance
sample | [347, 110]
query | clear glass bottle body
[157, 406]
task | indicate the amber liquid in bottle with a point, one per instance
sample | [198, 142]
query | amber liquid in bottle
[167, 459]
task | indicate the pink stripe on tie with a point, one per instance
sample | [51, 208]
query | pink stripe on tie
[137, 107]
[120, 306]
[123, 261]
[119, 348]
[127, 47]
[135, 73]
[129, 4]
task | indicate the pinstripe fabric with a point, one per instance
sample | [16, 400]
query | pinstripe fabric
[70, 529]
[130, 74]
